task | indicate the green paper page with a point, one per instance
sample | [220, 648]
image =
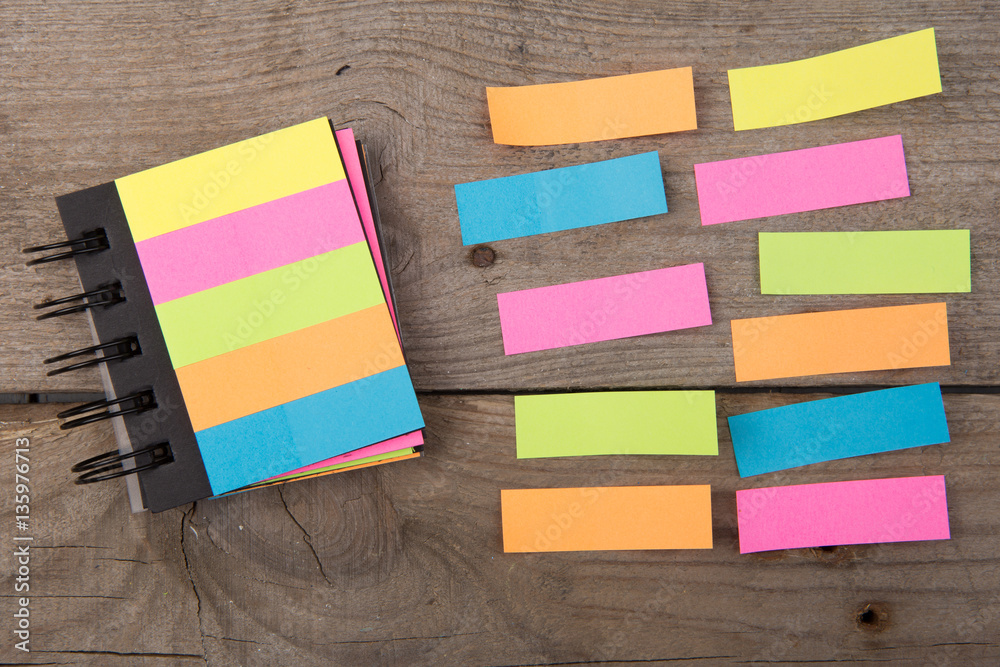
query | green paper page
[903, 262]
[616, 422]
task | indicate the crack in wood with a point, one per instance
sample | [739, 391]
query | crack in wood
[306, 537]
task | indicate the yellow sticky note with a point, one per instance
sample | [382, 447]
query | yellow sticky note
[228, 179]
[834, 84]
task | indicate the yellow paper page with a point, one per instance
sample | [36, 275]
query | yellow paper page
[834, 84]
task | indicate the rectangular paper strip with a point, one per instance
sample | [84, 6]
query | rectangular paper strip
[616, 422]
[633, 304]
[841, 341]
[558, 199]
[801, 180]
[897, 262]
[902, 509]
[632, 105]
[838, 428]
[606, 518]
[863, 77]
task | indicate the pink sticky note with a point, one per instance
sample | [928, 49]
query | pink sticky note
[633, 304]
[901, 509]
[352, 162]
[802, 180]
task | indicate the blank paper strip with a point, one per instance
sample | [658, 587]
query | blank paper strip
[897, 262]
[616, 422]
[558, 199]
[606, 518]
[632, 105]
[841, 341]
[863, 77]
[838, 428]
[633, 304]
[250, 241]
[801, 180]
[902, 509]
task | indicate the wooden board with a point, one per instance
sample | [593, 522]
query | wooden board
[403, 565]
[110, 97]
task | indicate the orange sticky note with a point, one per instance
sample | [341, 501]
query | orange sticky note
[841, 341]
[632, 105]
[606, 518]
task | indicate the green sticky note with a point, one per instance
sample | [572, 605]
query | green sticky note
[616, 422]
[906, 262]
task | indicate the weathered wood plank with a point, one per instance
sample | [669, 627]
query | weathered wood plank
[403, 564]
[95, 91]
[106, 587]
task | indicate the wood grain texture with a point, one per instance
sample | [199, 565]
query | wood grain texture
[403, 565]
[94, 91]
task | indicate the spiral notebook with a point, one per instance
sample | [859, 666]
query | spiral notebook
[241, 320]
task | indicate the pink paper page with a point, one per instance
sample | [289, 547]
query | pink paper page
[901, 509]
[352, 161]
[802, 180]
[633, 304]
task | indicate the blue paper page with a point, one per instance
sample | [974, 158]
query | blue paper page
[838, 428]
[558, 199]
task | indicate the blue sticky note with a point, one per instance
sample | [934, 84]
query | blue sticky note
[558, 199]
[838, 428]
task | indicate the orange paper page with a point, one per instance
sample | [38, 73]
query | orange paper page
[283, 369]
[841, 341]
[632, 105]
[607, 518]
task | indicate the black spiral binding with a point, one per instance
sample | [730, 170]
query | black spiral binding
[109, 465]
[116, 350]
[93, 241]
[105, 295]
[140, 401]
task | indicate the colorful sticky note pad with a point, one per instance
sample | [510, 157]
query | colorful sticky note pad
[863, 77]
[558, 199]
[838, 428]
[896, 262]
[616, 422]
[588, 311]
[606, 518]
[613, 107]
[841, 341]
[270, 307]
[803, 180]
[902, 509]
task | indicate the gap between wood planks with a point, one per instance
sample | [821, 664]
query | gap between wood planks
[67, 397]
